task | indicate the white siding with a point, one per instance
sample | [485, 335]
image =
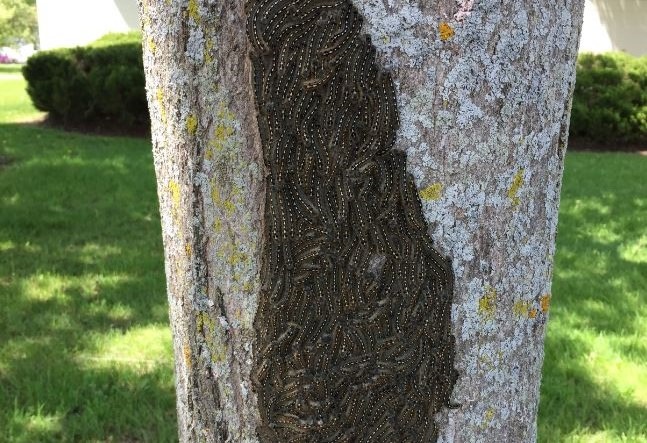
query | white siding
[615, 25]
[64, 23]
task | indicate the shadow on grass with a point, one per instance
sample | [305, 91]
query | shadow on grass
[573, 403]
[85, 351]
[595, 357]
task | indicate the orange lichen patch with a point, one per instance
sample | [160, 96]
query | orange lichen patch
[432, 192]
[544, 303]
[445, 31]
[186, 351]
[517, 182]
[532, 313]
[487, 303]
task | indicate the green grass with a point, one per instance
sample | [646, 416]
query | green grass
[117, 38]
[10, 69]
[85, 352]
[15, 105]
[594, 385]
[85, 348]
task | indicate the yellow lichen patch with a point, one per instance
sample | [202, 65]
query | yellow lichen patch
[229, 206]
[174, 190]
[220, 135]
[445, 31]
[486, 361]
[192, 10]
[208, 47]
[218, 201]
[432, 192]
[237, 257]
[488, 416]
[215, 193]
[521, 308]
[487, 303]
[544, 303]
[191, 124]
[212, 332]
[159, 94]
[517, 182]
[217, 225]
[151, 45]
[187, 248]
[223, 112]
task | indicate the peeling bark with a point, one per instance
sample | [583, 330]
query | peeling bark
[483, 91]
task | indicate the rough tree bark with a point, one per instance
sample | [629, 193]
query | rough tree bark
[483, 90]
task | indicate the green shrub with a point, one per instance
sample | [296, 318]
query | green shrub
[117, 38]
[610, 98]
[97, 84]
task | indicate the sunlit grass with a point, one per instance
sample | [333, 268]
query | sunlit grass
[85, 348]
[594, 387]
[15, 104]
[140, 349]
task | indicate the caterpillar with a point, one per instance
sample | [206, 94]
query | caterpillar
[353, 330]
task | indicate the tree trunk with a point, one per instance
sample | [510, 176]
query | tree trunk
[483, 92]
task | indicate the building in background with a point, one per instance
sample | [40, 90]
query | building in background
[79, 22]
[609, 25]
[615, 25]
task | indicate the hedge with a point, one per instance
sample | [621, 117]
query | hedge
[104, 81]
[610, 99]
[91, 85]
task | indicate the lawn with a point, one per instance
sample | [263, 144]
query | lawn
[594, 386]
[85, 352]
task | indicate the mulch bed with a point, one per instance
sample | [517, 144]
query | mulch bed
[106, 128]
[584, 144]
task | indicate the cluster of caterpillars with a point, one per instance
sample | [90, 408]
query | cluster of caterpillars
[353, 339]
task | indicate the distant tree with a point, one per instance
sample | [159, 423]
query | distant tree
[18, 22]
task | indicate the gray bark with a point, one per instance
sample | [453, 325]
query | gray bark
[483, 89]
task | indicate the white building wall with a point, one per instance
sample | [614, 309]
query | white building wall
[609, 25]
[615, 25]
[65, 23]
